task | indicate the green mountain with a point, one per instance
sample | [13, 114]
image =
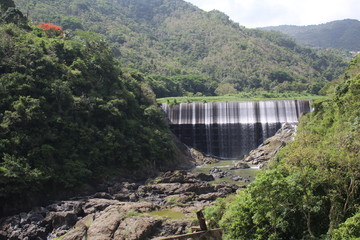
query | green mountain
[311, 190]
[187, 50]
[69, 115]
[342, 34]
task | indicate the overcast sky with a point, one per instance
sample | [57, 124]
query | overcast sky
[261, 13]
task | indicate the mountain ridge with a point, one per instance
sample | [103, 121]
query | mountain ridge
[188, 50]
[340, 34]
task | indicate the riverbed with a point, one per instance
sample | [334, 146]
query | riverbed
[246, 175]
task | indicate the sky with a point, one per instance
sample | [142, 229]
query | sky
[261, 13]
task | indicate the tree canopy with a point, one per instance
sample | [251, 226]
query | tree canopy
[175, 38]
[69, 115]
[311, 190]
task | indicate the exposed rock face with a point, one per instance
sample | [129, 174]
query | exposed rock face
[241, 165]
[183, 157]
[218, 173]
[138, 227]
[120, 212]
[200, 158]
[183, 177]
[271, 146]
[113, 220]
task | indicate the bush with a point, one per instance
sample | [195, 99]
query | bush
[349, 230]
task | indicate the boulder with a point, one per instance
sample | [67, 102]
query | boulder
[63, 206]
[178, 199]
[196, 188]
[76, 234]
[240, 165]
[79, 232]
[173, 227]
[98, 204]
[103, 195]
[63, 220]
[203, 177]
[236, 178]
[105, 225]
[137, 227]
[172, 177]
[107, 222]
[200, 159]
[218, 173]
[210, 196]
[183, 177]
[122, 196]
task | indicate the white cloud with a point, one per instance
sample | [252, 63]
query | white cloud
[258, 13]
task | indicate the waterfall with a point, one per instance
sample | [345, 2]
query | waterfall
[230, 130]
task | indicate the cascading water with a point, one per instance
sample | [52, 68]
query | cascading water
[229, 130]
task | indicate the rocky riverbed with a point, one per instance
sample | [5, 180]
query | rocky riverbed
[129, 210]
[124, 210]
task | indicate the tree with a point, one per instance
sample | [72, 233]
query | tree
[51, 29]
[311, 189]
[70, 115]
[6, 4]
[225, 88]
[349, 230]
[281, 76]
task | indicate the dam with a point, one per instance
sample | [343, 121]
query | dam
[229, 130]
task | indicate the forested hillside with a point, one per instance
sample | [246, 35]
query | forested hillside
[189, 51]
[311, 190]
[342, 34]
[69, 115]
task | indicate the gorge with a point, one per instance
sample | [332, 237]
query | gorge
[86, 152]
[229, 130]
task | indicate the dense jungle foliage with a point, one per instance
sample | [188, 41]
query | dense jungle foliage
[188, 51]
[341, 34]
[311, 190]
[68, 114]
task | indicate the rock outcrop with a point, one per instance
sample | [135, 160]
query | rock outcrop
[266, 151]
[200, 158]
[183, 177]
[121, 211]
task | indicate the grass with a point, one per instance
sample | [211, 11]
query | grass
[132, 213]
[239, 97]
[169, 213]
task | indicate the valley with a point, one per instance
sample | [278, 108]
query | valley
[122, 119]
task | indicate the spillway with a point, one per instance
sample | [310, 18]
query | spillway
[229, 130]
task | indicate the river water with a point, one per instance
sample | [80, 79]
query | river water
[247, 175]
